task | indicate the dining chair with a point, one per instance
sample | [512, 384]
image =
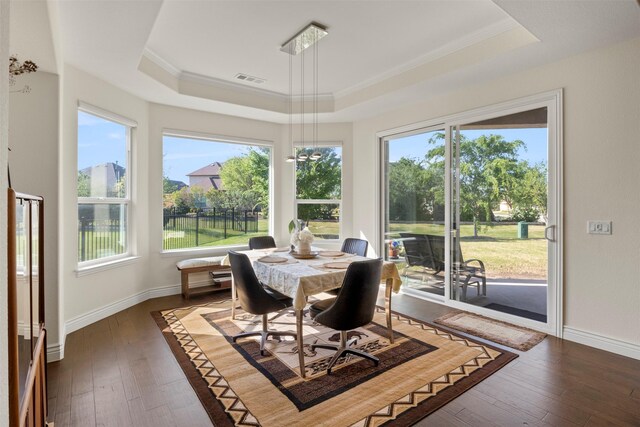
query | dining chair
[352, 308]
[255, 298]
[355, 246]
[262, 242]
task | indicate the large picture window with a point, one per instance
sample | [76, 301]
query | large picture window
[215, 192]
[103, 185]
[319, 191]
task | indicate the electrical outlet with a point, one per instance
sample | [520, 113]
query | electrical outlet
[599, 227]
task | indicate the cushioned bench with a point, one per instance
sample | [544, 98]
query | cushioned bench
[221, 274]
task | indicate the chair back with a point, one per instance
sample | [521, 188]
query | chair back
[252, 296]
[262, 242]
[356, 302]
[355, 246]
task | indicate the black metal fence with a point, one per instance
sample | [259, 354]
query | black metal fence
[98, 238]
[206, 226]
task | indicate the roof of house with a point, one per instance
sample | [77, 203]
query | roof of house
[210, 170]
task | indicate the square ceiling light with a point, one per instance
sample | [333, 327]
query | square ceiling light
[307, 37]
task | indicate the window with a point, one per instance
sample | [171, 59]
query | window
[103, 181]
[215, 192]
[319, 191]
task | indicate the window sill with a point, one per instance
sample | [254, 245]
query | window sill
[219, 251]
[97, 268]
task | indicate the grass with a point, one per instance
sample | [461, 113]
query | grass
[211, 237]
[498, 246]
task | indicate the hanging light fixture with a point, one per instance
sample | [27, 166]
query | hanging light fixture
[307, 37]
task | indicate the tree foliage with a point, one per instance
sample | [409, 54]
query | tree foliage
[319, 180]
[490, 172]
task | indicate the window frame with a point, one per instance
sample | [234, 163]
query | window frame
[246, 141]
[126, 201]
[297, 201]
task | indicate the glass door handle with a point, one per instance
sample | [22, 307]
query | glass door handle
[553, 235]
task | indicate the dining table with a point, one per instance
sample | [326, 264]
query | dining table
[299, 279]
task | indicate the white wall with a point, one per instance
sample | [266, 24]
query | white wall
[601, 173]
[33, 131]
[4, 133]
[83, 295]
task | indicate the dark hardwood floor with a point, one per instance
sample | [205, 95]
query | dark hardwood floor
[120, 372]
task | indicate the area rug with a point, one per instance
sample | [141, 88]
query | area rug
[503, 333]
[518, 312]
[424, 369]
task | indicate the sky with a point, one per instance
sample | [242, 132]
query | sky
[181, 156]
[535, 140]
[102, 141]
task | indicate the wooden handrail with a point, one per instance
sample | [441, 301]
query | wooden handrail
[31, 408]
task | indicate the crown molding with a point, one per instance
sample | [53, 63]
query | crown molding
[161, 62]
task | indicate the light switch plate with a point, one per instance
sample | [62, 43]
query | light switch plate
[599, 227]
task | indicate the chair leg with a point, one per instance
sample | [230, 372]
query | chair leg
[344, 348]
[264, 334]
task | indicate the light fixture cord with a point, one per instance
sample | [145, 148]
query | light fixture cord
[315, 94]
[290, 104]
[302, 99]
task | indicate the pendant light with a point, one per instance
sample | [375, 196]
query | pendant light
[307, 37]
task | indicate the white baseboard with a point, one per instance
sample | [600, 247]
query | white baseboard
[93, 316]
[55, 352]
[613, 345]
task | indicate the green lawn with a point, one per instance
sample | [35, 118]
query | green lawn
[498, 246]
[211, 237]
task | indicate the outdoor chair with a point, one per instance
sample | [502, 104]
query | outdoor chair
[471, 272]
[418, 253]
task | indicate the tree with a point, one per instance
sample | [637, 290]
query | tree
[412, 191]
[84, 185]
[246, 178]
[320, 180]
[530, 196]
[488, 169]
[169, 186]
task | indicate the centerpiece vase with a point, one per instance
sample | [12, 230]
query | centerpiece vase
[304, 248]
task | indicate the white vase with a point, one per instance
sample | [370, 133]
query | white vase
[304, 248]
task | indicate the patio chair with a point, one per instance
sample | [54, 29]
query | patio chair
[471, 271]
[418, 253]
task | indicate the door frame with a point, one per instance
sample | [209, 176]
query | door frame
[553, 101]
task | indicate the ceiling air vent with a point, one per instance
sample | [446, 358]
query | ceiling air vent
[251, 79]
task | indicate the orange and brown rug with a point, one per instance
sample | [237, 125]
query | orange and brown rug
[422, 370]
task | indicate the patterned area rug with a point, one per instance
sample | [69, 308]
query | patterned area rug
[424, 369]
[504, 333]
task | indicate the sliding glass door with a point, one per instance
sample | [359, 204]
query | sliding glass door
[471, 210]
[415, 208]
[500, 213]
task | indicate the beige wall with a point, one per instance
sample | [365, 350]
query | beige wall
[4, 138]
[601, 175]
[85, 294]
[33, 128]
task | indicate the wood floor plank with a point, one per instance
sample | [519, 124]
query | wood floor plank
[83, 410]
[120, 371]
[111, 405]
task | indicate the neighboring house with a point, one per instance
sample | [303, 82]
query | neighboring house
[206, 177]
[175, 184]
[103, 178]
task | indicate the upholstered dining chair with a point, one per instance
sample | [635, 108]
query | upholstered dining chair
[256, 298]
[262, 242]
[355, 246]
[352, 308]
